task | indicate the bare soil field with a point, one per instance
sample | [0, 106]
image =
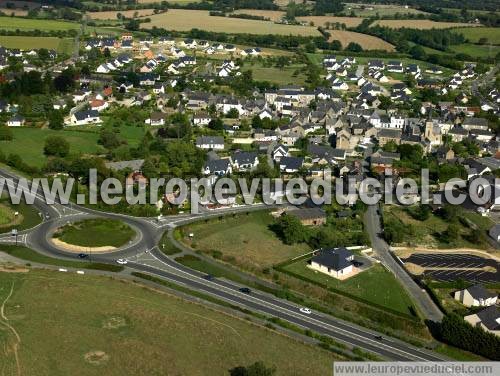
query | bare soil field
[322, 20]
[16, 12]
[184, 20]
[368, 42]
[420, 24]
[273, 15]
[111, 15]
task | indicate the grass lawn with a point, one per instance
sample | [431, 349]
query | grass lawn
[475, 50]
[13, 23]
[244, 240]
[6, 215]
[96, 232]
[473, 34]
[61, 45]
[276, 75]
[28, 215]
[458, 354]
[128, 327]
[375, 285]
[29, 142]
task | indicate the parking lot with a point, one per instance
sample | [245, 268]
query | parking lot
[452, 266]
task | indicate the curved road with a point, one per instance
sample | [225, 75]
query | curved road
[144, 256]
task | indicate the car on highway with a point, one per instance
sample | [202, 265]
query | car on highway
[245, 290]
[83, 255]
[208, 277]
[121, 261]
[305, 310]
[379, 338]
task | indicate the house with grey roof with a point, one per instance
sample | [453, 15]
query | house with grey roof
[488, 319]
[476, 296]
[210, 142]
[335, 262]
[245, 160]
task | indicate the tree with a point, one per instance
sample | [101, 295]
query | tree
[291, 230]
[451, 234]
[233, 114]
[216, 124]
[256, 369]
[109, 139]
[354, 47]
[56, 146]
[56, 120]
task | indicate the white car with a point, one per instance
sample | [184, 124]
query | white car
[307, 311]
[121, 261]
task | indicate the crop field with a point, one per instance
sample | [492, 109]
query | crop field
[492, 34]
[322, 20]
[15, 12]
[29, 142]
[273, 15]
[111, 15]
[130, 329]
[382, 10]
[13, 23]
[368, 42]
[25, 43]
[185, 20]
[420, 24]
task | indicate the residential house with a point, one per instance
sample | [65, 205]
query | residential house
[210, 142]
[309, 216]
[245, 160]
[335, 262]
[85, 118]
[476, 296]
[16, 121]
[291, 164]
[488, 319]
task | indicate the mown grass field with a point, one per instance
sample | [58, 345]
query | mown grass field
[184, 20]
[28, 215]
[13, 23]
[492, 34]
[420, 24]
[6, 215]
[376, 285]
[368, 42]
[97, 232]
[245, 239]
[276, 75]
[91, 325]
[61, 45]
[29, 142]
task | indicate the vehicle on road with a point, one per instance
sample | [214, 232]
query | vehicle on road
[121, 261]
[305, 310]
[245, 290]
[208, 277]
[83, 255]
[379, 338]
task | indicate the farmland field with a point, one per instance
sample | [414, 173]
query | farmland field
[492, 34]
[476, 50]
[29, 143]
[382, 10]
[279, 76]
[13, 23]
[322, 20]
[420, 24]
[368, 42]
[26, 43]
[184, 20]
[16, 12]
[111, 15]
[128, 328]
[273, 15]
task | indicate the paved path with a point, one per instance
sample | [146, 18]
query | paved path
[381, 248]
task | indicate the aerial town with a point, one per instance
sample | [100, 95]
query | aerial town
[246, 91]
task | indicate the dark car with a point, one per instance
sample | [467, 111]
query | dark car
[208, 277]
[380, 338]
[246, 290]
[83, 255]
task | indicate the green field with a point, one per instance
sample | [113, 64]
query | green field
[381, 10]
[473, 34]
[244, 240]
[276, 75]
[29, 142]
[96, 232]
[476, 50]
[6, 215]
[14, 23]
[61, 45]
[107, 327]
[375, 285]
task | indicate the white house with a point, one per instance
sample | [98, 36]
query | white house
[335, 262]
[488, 319]
[15, 121]
[476, 296]
[85, 118]
[210, 142]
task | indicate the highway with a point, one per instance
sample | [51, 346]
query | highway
[144, 256]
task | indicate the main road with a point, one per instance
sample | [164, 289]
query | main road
[144, 256]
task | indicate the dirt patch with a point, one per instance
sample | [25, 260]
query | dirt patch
[13, 268]
[114, 322]
[96, 357]
[79, 249]
[414, 269]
